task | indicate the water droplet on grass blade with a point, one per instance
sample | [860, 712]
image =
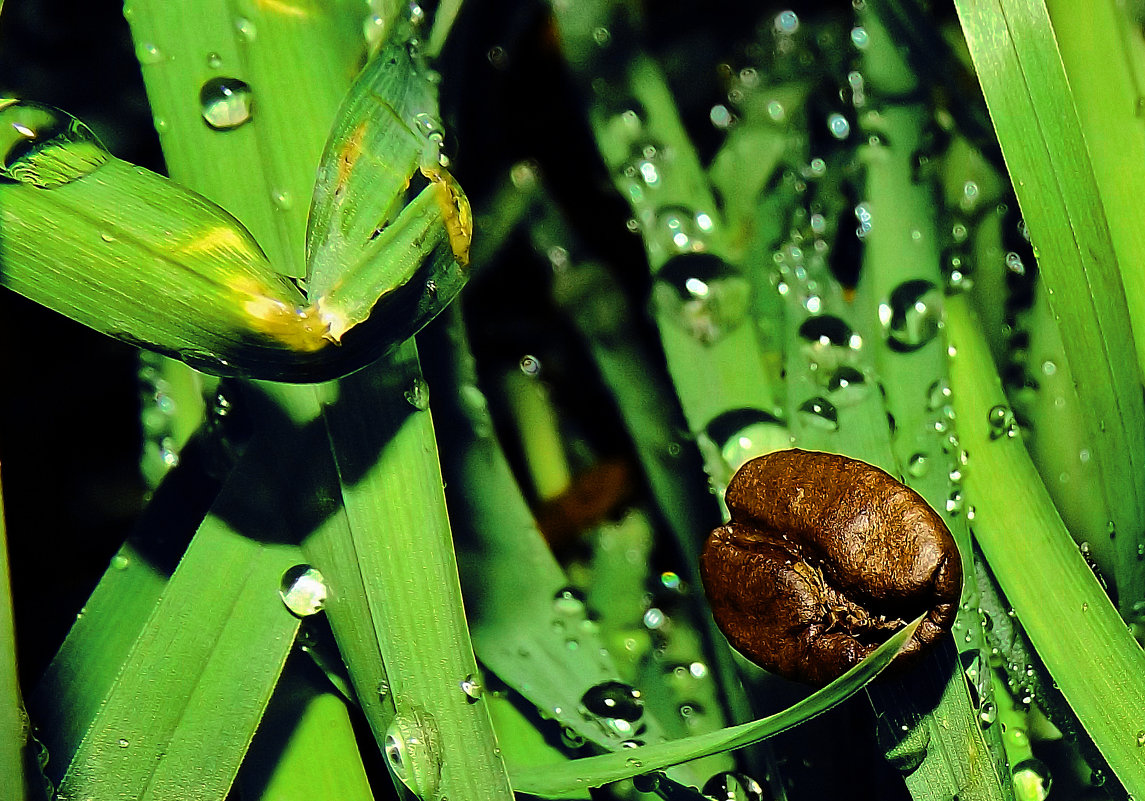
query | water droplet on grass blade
[472, 688]
[1000, 422]
[413, 753]
[819, 413]
[1032, 780]
[417, 395]
[702, 294]
[743, 434]
[303, 590]
[847, 385]
[614, 699]
[45, 147]
[829, 343]
[912, 315]
[225, 103]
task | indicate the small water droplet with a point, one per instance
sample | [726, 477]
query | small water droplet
[955, 503]
[819, 413]
[614, 699]
[225, 103]
[569, 601]
[859, 37]
[530, 365]
[743, 434]
[45, 147]
[828, 343]
[413, 753]
[1000, 422]
[838, 125]
[987, 714]
[1140, 739]
[123, 743]
[1015, 264]
[149, 53]
[918, 465]
[246, 29]
[938, 395]
[120, 562]
[654, 618]
[472, 688]
[786, 22]
[303, 590]
[417, 395]
[912, 315]
[283, 199]
[214, 60]
[601, 36]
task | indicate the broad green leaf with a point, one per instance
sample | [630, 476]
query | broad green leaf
[1081, 639]
[1035, 116]
[595, 771]
[213, 69]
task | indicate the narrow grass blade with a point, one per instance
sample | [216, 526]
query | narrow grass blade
[441, 740]
[306, 740]
[13, 721]
[595, 771]
[1034, 114]
[214, 69]
[1080, 637]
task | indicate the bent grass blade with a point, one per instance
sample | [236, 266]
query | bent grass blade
[595, 771]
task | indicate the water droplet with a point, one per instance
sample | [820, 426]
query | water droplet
[413, 753]
[497, 57]
[702, 294]
[859, 37]
[1000, 422]
[530, 365]
[786, 22]
[149, 53]
[1032, 780]
[733, 786]
[123, 743]
[743, 434]
[282, 198]
[633, 762]
[120, 562]
[938, 395]
[819, 413]
[838, 125]
[246, 29]
[1015, 264]
[654, 618]
[45, 147]
[614, 699]
[417, 395]
[720, 116]
[847, 386]
[987, 714]
[911, 317]
[918, 465]
[601, 36]
[214, 60]
[225, 103]
[569, 601]
[828, 343]
[955, 503]
[303, 590]
[472, 688]
[1140, 739]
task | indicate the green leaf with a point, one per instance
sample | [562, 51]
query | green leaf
[595, 771]
[1084, 643]
[13, 721]
[1032, 107]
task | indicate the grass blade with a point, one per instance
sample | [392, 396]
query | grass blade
[1083, 642]
[1031, 104]
[595, 771]
[13, 721]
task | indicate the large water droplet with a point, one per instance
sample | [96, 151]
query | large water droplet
[703, 294]
[45, 147]
[614, 699]
[819, 413]
[1032, 780]
[226, 103]
[912, 315]
[828, 343]
[987, 714]
[303, 590]
[733, 786]
[743, 434]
